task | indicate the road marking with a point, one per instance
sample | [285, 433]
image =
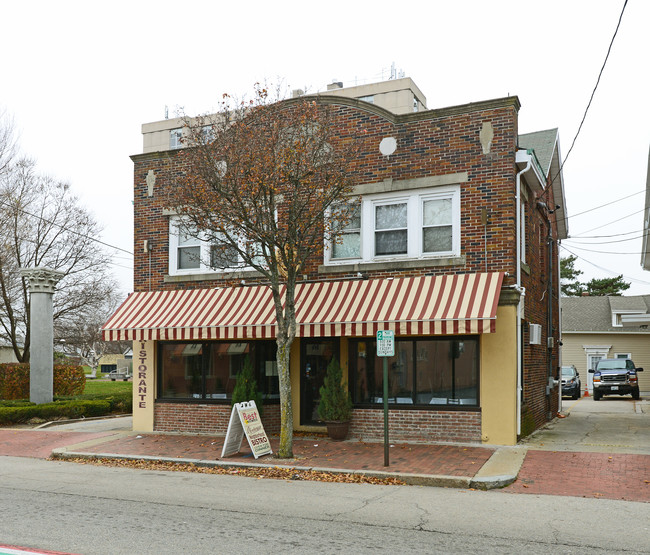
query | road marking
[15, 550]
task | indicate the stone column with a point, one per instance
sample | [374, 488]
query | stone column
[41, 288]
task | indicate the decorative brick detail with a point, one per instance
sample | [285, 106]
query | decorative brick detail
[419, 426]
[206, 419]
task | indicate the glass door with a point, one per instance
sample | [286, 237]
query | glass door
[314, 358]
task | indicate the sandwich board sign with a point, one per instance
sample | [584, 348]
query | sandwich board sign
[245, 421]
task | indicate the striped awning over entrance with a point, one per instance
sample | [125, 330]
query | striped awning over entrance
[422, 305]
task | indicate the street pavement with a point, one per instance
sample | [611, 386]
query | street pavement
[597, 450]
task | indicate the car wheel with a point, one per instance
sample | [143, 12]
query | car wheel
[636, 394]
[576, 395]
[596, 395]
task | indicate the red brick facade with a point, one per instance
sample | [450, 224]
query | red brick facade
[431, 143]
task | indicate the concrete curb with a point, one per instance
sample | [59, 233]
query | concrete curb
[429, 480]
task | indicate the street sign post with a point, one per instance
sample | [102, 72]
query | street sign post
[386, 348]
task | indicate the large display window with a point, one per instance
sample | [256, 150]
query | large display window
[423, 372]
[209, 370]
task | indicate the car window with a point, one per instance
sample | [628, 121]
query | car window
[613, 364]
[567, 371]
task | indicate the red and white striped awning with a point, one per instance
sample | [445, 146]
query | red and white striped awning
[422, 305]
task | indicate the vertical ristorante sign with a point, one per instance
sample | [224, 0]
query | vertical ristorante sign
[142, 373]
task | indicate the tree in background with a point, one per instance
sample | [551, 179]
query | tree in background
[267, 183]
[80, 334]
[569, 284]
[43, 224]
[571, 287]
[607, 286]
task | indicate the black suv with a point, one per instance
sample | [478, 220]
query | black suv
[570, 382]
[615, 376]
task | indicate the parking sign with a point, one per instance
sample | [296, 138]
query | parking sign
[385, 343]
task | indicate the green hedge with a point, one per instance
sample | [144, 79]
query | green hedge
[58, 409]
[67, 379]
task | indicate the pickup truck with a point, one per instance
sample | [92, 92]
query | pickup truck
[615, 376]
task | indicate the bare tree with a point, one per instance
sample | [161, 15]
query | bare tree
[43, 224]
[80, 334]
[267, 183]
[8, 141]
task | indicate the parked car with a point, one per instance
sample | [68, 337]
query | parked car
[571, 382]
[615, 376]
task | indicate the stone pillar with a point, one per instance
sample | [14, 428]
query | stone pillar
[41, 288]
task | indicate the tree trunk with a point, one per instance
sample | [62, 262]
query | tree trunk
[285, 450]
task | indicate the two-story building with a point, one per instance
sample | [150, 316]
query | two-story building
[454, 249]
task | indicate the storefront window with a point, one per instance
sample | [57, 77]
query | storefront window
[427, 372]
[210, 370]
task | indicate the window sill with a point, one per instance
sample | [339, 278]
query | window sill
[391, 265]
[211, 276]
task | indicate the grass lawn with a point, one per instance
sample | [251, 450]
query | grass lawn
[100, 387]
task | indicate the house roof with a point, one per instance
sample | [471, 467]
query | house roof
[594, 314]
[546, 145]
[543, 143]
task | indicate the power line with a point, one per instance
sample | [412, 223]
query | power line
[64, 228]
[604, 205]
[591, 98]
[607, 242]
[604, 269]
[603, 252]
[613, 221]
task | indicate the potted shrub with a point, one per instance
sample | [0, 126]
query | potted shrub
[335, 406]
[246, 387]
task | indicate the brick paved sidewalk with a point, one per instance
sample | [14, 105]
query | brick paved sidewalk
[449, 460]
[610, 476]
[39, 444]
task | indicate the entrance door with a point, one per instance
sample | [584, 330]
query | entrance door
[314, 358]
[592, 360]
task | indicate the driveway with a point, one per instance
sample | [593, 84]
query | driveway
[611, 425]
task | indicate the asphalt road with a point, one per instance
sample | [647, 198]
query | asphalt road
[96, 510]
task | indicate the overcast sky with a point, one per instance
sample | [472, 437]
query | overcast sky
[80, 78]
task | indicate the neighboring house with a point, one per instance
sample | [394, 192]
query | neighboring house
[593, 328]
[109, 362]
[470, 289]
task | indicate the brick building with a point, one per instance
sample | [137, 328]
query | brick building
[468, 282]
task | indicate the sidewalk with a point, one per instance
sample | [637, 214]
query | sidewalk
[461, 466]
[432, 465]
[526, 468]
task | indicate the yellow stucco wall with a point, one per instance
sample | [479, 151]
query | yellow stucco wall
[144, 385]
[499, 380]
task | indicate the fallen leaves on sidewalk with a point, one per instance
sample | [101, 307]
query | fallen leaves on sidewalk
[273, 472]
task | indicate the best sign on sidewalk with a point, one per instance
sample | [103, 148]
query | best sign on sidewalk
[245, 421]
[385, 343]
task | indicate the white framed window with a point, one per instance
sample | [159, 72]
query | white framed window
[623, 355]
[423, 223]
[175, 138]
[189, 254]
[188, 251]
[349, 243]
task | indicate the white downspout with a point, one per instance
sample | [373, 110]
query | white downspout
[521, 156]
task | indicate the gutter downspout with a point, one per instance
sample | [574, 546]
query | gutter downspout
[521, 156]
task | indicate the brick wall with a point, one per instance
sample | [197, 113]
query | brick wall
[422, 426]
[429, 144]
[206, 419]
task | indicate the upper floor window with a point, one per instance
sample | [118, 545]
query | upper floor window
[175, 138]
[190, 253]
[412, 224]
